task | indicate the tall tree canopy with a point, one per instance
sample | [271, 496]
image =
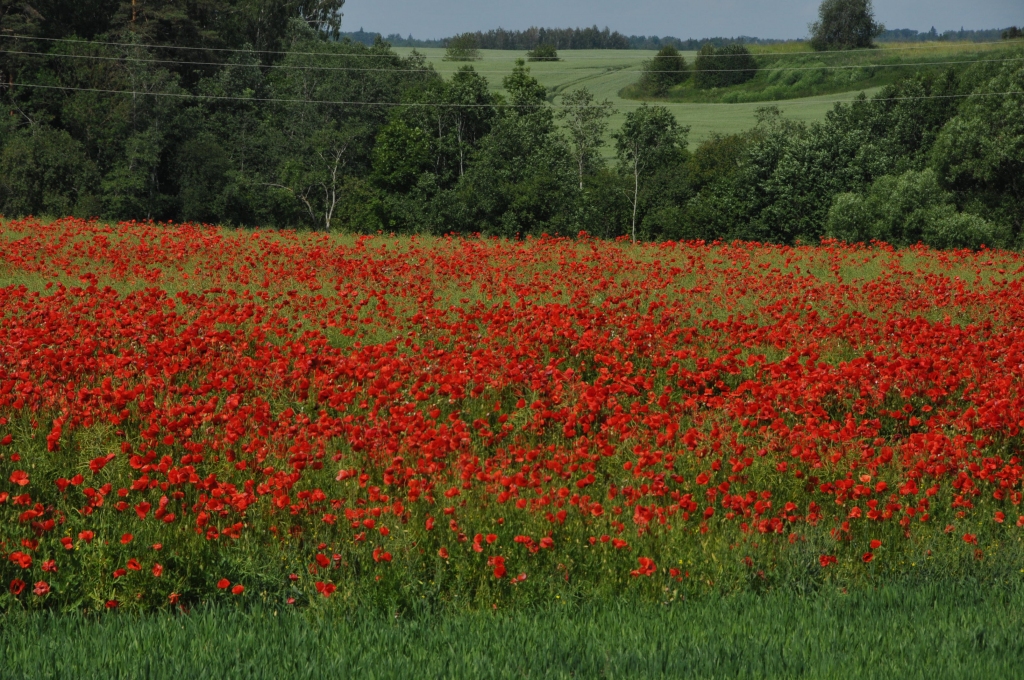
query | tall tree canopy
[845, 25]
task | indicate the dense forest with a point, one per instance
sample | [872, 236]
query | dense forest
[592, 38]
[269, 121]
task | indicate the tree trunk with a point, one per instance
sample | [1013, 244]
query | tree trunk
[636, 195]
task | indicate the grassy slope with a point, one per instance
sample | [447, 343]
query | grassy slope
[910, 631]
[792, 74]
[606, 72]
[808, 94]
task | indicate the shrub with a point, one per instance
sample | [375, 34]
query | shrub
[907, 209]
[463, 47]
[668, 68]
[543, 52]
[44, 170]
[729, 65]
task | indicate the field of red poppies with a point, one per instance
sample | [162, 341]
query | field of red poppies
[191, 414]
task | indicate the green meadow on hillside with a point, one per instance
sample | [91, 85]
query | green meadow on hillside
[792, 71]
[606, 73]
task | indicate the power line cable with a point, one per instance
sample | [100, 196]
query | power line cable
[185, 95]
[424, 70]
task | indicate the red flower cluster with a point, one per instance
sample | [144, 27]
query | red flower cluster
[397, 403]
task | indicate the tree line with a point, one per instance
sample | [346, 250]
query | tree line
[594, 38]
[315, 133]
[913, 35]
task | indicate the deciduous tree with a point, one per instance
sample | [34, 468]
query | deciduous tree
[586, 122]
[845, 25]
[649, 136]
[462, 47]
[666, 69]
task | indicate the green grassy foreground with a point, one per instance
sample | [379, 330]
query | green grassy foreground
[959, 630]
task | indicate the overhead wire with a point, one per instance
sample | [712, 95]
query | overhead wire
[329, 102]
[293, 67]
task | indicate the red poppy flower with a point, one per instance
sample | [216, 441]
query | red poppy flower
[41, 588]
[19, 477]
[126, 538]
[223, 584]
[21, 559]
[498, 562]
[647, 567]
[158, 570]
[17, 586]
[238, 589]
[867, 557]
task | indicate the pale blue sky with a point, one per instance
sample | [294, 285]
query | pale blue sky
[681, 18]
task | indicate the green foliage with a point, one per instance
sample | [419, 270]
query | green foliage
[604, 208]
[46, 171]
[698, 199]
[979, 154]
[649, 138]
[792, 173]
[543, 52]
[1013, 33]
[946, 628]
[299, 147]
[400, 155]
[665, 70]
[845, 25]
[586, 122]
[783, 75]
[522, 179]
[904, 210]
[726, 66]
[462, 47]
